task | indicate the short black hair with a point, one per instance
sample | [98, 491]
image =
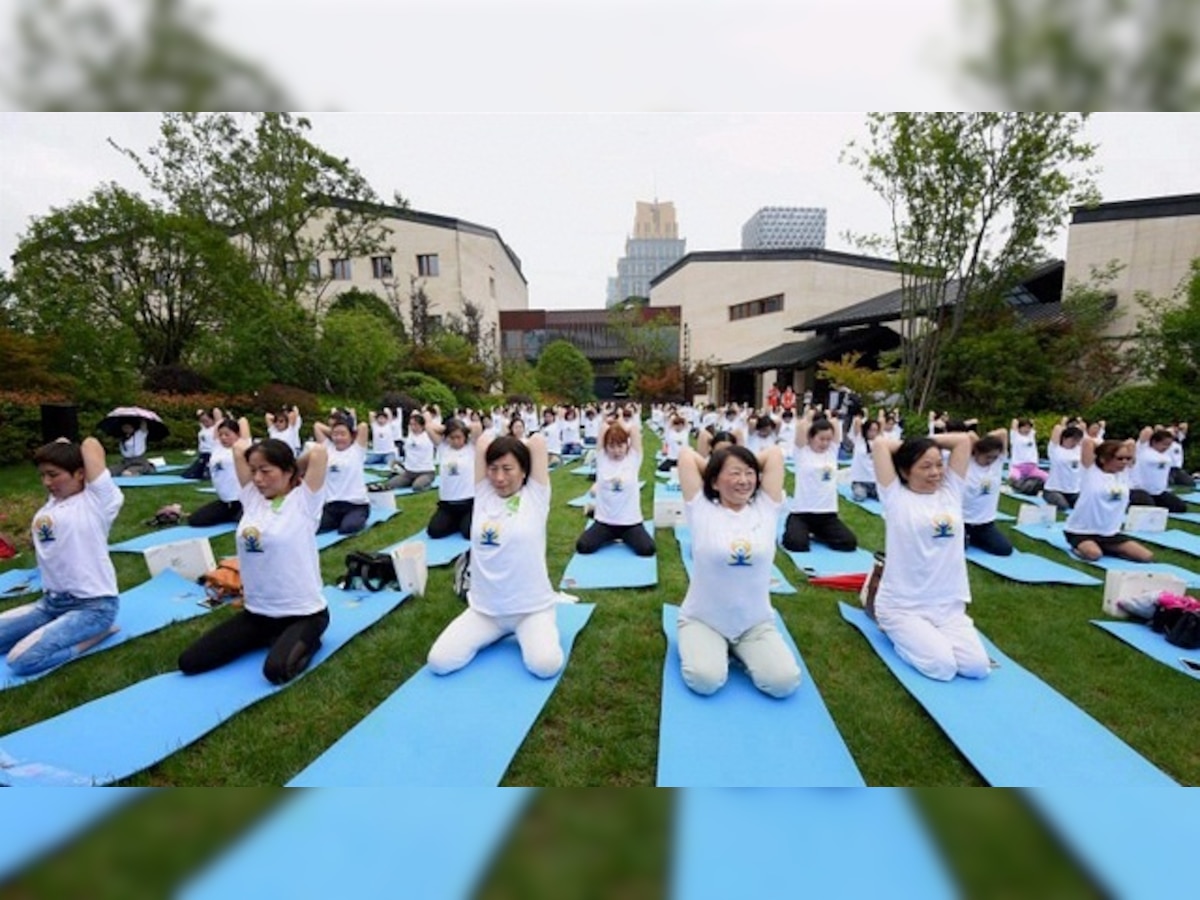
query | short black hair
[716, 462]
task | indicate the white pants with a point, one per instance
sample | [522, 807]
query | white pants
[938, 641]
[537, 634]
[704, 657]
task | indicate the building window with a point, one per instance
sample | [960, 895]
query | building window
[314, 269]
[752, 308]
[492, 288]
[381, 267]
[427, 265]
[340, 268]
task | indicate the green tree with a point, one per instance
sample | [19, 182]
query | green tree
[1167, 338]
[519, 379]
[366, 301]
[565, 373]
[355, 352]
[651, 369]
[973, 197]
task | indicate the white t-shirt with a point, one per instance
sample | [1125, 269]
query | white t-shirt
[206, 439]
[1175, 451]
[508, 551]
[396, 426]
[756, 443]
[816, 481]
[344, 475]
[570, 432]
[456, 471]
[787, 438]
[224, 473]
[673, 440]
[418, 452]
[1066, 468]
[134, 445]
[732, 556]
[618, 500]
[927, 564]
[382, 437]
[289, 435]
[862, 464]
[552, 431]
[1103, 498]
[1151, 469]
[1022, 447]
[981, 493]
[277, 552]
[70, 538]
[591, 427]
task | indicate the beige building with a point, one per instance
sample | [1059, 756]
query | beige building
[1155, 239]
[736, 304]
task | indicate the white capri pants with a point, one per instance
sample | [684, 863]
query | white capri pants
[704, 657]
[537, 634]
[939, 641]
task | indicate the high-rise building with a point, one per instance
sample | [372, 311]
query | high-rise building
[785, 228]
[654, 247]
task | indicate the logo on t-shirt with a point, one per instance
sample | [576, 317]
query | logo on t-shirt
[43, 529]
[252, 540]
[985, 487]
[943, 526]
[335, 468]
[1115, 493]
[616, 485]
[740, 552]
[489, 534]
[452, 468]
[218, 466]
[827, 473]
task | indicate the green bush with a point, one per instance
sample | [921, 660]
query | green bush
[1130, 409]
[425, 389]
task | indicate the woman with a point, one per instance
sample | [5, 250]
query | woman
[1062, 484]
[862, 463]
[981, 495]
[455, 444]
[572, 437]
[284, 609]
[205, 439]
[618, 512]
[227, 507]
[1093, 528]
[923, 593]
[1150, 478]
[814, 511]
[510, 589]
[285, 426]
[383, 438]
[132, 447]
[417, 471]
[732, 508]
[1023, 452]
[346, 505]
[70, 538]
[675, 438]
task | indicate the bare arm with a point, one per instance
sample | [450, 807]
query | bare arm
[539, 460]
[690, 466]
[311, 466]
[321, 432]
[885, 467]
[481, 447]
[93, 459]
[363, 435]
[771, 462]
[959, 444]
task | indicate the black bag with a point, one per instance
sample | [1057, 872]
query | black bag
[1030, 486]
[1185, 632]
[374, 571]
[462, 574]
[1166, 618]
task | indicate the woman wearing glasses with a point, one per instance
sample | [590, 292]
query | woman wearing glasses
[1093, 528]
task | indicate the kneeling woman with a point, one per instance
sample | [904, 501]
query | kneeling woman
[510, 589]
[618, 501]
[814, 511]
[1093, 528]
[455, 442]
[732, 509]
[923, 594]
[284, 610]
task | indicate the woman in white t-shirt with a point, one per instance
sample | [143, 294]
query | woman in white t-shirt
[1023, 452]
[206, 439]
[923, 593]
[1064, 450]
[78, 607]
[572, 437]
[814, 508]
[1150, 478]
[346, 505]
[618, 513]
[981, 494]
[228, 505]
[132, 447]
[862, 463]
[284, 609]
[285, 426]
[674, 439]
[1093, 528]
[455, 442]
[419, 468]
[510, 589]
[732, 508]
[383, 438]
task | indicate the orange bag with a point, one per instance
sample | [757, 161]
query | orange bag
[224, 583]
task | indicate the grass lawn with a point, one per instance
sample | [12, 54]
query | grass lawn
[600, 726]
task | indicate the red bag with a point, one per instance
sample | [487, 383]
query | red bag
[7, 548]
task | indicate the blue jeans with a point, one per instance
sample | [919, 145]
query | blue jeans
[49, 629]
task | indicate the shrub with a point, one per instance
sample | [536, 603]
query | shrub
[176, 379]
[424, 389]
[274, 397]
[1130, 409]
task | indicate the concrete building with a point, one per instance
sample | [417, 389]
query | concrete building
[1155, 239]
[784, 228]
[654, 245]
[737, 304]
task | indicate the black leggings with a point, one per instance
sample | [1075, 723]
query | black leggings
[344, 517]
[216, 513]
[801, 528]
[988, 538]
[636, 538]
[1166, 499]
[451, 516]
[293, 641]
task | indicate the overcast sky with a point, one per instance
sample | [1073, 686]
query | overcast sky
[561, 188]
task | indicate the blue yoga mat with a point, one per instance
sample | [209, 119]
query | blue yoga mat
[683, 534]
[1191, 496]
[1098, 827]
[131, 481]
[1055, 536]
[822, 562]
[1015, 729]
[740, 737]
[170, 535]
[440, 552]
[874, 507]
[584, 470]
[16, 582]
[1152, 643]
[49, 819]
[1194, 518]
[406, 491]
[803, 843]
[1029, 568]
[1172, 538]
[456, 730]
[612, 566]
[581, 501]
[120, 734]
[167, 597]
[377, 515]
[427, 843]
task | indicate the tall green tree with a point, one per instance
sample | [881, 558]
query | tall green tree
[973, 199]
[565, 373]
[1168, 336]
[355, 352]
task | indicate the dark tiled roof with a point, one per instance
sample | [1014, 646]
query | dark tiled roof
[810, 254]
[1146, 208]
[800, 354]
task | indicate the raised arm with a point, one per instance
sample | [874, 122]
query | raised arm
[93, 459]
[690, 467]
[240, 464]
[1087, 451]
[311, 466]
[1056, 432]
[885, 467]
[481, 447]
[770, 461]
[959, 443]
[1002, 435]
[363, 434]
[539, 460]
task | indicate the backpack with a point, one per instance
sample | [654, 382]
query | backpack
[224, 583]
[462, 574]
[374, 571]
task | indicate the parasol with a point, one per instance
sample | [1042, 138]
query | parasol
[111, 424]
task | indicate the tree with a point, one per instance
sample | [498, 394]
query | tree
[365, 301]
[565, 373]
[861, 380]
[973, 198]
[355, 352]
[1167, 338]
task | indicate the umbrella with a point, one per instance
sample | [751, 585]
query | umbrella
[111, 424]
